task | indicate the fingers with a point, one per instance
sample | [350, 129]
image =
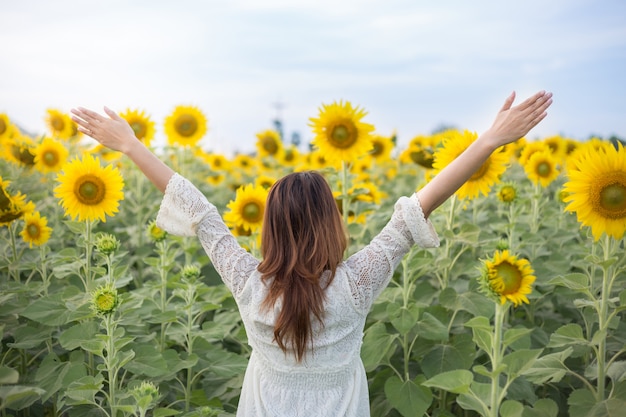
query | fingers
[508, 102]
[112, 114]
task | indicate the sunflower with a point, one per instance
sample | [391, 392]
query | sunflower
[12, 207]
[415, 153]
[89, 191]
[141, 123]
[507, 193]
[265, 181]
[268, 143]
[186, 125]
[367, 192]
[50, 155]
[7, 129]
[484, 178]
[339, 132]
[36, 230]
[507, 277]
[244, 162]
[247, 209]
[596, 191]
[382, 146]
[104, 300]
[290, 156]
[19, 150]
[529, 149]
[542, 168]
[155, 232]
[60, 124]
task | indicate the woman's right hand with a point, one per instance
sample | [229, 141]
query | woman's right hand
[113, 131]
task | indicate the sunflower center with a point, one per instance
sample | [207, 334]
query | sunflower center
[608, 197]
[89, 189]
[343, 136]
[289, 155]
[269, 145]
[422, 158]
[186, 125]
[251, 212]
[23, 155]
[508, 194]
[50, 158]
[3, 126]
[33, 230]
[510, 276]
[544, 169]
[57, 124]
[484, 168]
[377, 149]
[105, 301]
[139, 129]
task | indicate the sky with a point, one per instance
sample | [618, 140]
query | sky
[413, 66]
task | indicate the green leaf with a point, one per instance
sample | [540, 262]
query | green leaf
[513, 335]
[165, 412]
[476, 304]
[575, 281]
[518, 361]
[544, 407]
[407, 397]
[548, 368]
[148, 361]
[84, 390]
[376, 344]
[482, 332]
[19, 397]
[476, 399]
[457, 381]
[8, 375]
[457, 354]
[225, 364]
[511, 408]
[613, 407]
[581, 402]
[72, 337]
[402, 318]
[568, 335]
[617, 371]
[50, 310]
[430, 328]
[29, 336]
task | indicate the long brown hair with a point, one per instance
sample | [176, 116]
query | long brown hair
[303, 235]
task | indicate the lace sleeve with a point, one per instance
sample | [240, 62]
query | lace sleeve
[185, 211]
[372, 267]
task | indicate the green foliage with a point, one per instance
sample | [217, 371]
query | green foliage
[433, 345]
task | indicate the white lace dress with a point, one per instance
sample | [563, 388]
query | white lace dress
[331, 380]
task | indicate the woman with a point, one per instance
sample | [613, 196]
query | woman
[303, 306]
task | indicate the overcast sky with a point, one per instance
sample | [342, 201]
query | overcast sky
[413, 65]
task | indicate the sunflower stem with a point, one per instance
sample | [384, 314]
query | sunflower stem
[344, 191]
[603, 322]
[449, 224]
[496, 357]
[13, 267]
[88, 252]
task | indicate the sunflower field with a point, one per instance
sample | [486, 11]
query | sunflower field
[518, 313]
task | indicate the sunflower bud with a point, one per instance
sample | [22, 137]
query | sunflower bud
[145, 394]
[104, 300]
[507, 193]
[155, 232]
[190, 272]
[106, 243]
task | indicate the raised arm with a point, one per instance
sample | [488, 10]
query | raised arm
[115, 133]
[511, 123]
